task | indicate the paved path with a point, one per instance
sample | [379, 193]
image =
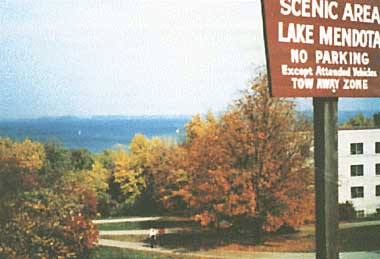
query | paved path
[359, 224]
[105, 221]
[141, 219]
[141, 231]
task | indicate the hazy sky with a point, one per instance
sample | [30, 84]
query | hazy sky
[127, 57]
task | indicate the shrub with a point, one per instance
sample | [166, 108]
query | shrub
[48, 223]
[347, 211]
[42, 216]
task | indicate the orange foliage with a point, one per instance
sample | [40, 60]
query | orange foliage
[249, 163]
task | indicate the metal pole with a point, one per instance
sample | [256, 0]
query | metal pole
[326, 176]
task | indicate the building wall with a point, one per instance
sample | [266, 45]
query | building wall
[370, 202]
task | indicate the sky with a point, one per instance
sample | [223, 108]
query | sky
[130, 57]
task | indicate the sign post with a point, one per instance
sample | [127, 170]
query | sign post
[323, 49]
[326, 176]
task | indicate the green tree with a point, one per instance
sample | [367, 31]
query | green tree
[81, 159]
[58, 158]
[359, 121]
[376, 119]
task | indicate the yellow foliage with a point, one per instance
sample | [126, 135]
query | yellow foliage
[28, 154]
[128, 172]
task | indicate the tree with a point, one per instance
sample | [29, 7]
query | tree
[140, 171]
[281, 175]
[81, 159]
[359, 121]
[376, 119]
[58, 158]
[251, 165]
[128, 171]
[52, 222]
[108, 201]
[41, 216]
[167, 179]
[19, 164]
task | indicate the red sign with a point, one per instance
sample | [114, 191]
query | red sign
[322, 48]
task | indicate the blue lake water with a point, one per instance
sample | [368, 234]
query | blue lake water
[99, 133]
[93, 134]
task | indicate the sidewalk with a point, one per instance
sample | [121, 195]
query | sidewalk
[122, 220]
[141, 231]
[140, 219]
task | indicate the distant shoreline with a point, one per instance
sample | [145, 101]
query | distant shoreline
[343, 113]
[97, 133]
[99, 117]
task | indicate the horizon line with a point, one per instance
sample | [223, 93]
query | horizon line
[122, 116]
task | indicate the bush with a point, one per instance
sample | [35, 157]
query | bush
[106, 206]
[41, 214]
[48, 223]
[347, 211]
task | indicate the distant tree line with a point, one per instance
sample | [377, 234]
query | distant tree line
[361, 121]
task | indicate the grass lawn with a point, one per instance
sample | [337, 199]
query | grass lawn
[352, 239]
[359, 239]
[230, 240]
[127, 238]
[118, 253]
[147, 225]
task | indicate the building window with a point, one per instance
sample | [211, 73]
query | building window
[360, 213]
[377, 190]
[356, 148]
[378, 169]
[357, 170]
[377, 147]
[357, 192]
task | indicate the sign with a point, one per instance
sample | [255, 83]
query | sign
[322, 48]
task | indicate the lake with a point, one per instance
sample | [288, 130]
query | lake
[95, 134]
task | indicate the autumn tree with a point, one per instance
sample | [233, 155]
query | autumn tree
[167, 179]
[129, 169]
[95, 181]
[250, 165]
[42, 216]
[128, 174]
[218, 188]
[144, 174]
[281, 173]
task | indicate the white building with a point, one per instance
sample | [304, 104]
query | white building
[359, 169]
